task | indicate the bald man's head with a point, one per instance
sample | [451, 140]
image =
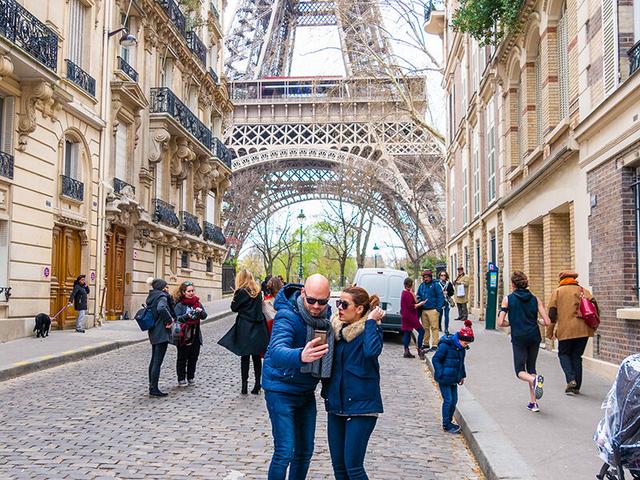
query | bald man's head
[316, 288]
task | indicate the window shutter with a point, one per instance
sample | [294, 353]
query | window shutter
[4, 252]
[610, 45]
[7, 125]
[211, 207]
[76, 29]
[563, 64]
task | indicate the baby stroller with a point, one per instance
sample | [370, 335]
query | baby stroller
[618, 434]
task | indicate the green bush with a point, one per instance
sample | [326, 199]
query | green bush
[488, 21]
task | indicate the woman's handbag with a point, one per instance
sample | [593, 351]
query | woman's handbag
[588, 311]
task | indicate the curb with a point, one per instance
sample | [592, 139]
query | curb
[19, 369]
[496, 455]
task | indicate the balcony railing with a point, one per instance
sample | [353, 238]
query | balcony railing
[213, 233]
[7, 293]
[163, 100]
[222, 152]
[197, 47]
[6, 165]
[72, 188]
[81, 78]
[19, 26]
[214, 75]
[634, 58]
[189, 223]
[127, 69]
[120, 186]
[164, 213]
[175, 15]
[430, 7]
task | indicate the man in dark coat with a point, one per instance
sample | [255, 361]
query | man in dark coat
[79, 299]
[161, 304]
[288, 379]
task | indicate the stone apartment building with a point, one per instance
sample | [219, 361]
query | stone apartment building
[543, 146]
[111, 162]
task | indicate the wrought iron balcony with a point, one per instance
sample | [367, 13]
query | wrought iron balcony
[214, 75]
[19, 26]
[222, 152]
[81, 78]
[72, 188]
[128, 69]
[164, 213]
[213, 233]
[7, 293]
[163, 100]
[189, 223]
[120, 186]
[634, 58]
[172, 10]
[432, 5]
[197, 47]
[6, 165]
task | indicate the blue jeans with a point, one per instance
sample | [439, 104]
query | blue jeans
[293, 425]
[445, 311]
[80, 319]
[348, 439]
[449, 401]
[406, 337]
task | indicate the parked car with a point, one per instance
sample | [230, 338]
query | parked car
[388, 284]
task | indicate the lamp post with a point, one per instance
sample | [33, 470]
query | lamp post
[375, 254]
[301, 219]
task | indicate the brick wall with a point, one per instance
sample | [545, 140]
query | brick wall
[612, 271]
[533, 255]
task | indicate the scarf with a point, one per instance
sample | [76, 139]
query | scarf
[568, 281]
[348, 331]
[318, 368]
[193, 302]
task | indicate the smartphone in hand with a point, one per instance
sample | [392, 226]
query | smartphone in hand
[320, 334]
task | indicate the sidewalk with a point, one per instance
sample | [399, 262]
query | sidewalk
[29, 354]
[507, 439]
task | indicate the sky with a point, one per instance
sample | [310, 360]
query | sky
[316, 52]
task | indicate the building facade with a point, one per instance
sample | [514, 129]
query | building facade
[540, 168]
[111, 163]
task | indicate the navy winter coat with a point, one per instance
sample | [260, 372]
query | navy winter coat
[448, 362]
[354, 386]
[281, 370]
[432, 293]
[161, 305]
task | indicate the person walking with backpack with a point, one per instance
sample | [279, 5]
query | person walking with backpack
[409, 319]
[161, 305]
[431, 300]
[523, 310]
[570, 329]
[447, 292]
[79, 298]
[248, 338]
[353, 400]
[461, 284]
[188, 305]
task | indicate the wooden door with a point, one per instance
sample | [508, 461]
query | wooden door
[65, 268]
[116, 254]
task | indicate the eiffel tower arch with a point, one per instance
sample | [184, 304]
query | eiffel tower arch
[296, 139]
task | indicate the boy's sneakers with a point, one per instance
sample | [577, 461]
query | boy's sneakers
[192, 381]
[533, 407]
[452, 428]
[538, 386]
[571, 388]
[182, 383]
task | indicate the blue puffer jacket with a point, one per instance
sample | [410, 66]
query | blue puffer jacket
[448, 361]
[281, 370]
[354, 387]
[432, 293]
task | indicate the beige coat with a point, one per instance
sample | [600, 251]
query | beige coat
[463, 280]
[566, 302]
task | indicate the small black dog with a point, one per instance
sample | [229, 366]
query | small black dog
[43, 323]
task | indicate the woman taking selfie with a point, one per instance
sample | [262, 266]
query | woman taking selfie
[353, 399]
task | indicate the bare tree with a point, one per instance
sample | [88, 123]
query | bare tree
[271, 240]
[363, 233]
[288, 256]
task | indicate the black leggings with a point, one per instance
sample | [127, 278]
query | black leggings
[186, 362]
[157, 356]
[257, 367]
[525, 356]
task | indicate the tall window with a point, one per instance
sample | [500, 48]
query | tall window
[159, 180]
[491, 151]
[538, 97]
[127, 52]
[121, 152]
[563, 62]
[452, 113]
[465, 189]
[166, 73]
[610, 45]
[6, 125]
[466, 259]
[71, 158]
[211, 208]
[463, 86]
[474, 66]
[476, 173]
[77, 13]
[452, 198]
[4, 253]
[478, 264]
[492, 244]
[636, 21]
[184, 200]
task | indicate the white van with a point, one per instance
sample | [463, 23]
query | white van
[388, 284]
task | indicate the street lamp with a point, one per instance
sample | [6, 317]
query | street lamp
[375, 254]
[301, 219]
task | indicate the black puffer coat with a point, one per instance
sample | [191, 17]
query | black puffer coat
[249, 335]
[79, 296]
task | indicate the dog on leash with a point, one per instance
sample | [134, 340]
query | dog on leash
[43, 324]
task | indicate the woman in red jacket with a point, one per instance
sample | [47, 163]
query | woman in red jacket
[410, 321]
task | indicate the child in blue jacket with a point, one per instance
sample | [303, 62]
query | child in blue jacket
[449, 371]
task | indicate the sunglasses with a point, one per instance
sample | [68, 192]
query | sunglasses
[319, 301]
[342, 304]
[188, 284]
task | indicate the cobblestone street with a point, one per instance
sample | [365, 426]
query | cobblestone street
[93, 419]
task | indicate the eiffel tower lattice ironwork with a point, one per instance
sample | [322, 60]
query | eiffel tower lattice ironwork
[295, 139]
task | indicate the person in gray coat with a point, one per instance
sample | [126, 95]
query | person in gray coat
[161, 304]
